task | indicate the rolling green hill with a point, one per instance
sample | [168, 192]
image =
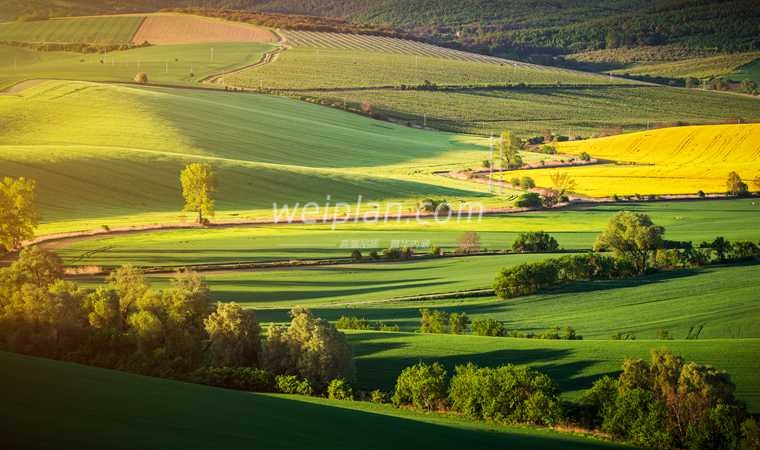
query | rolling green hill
[573, 364]
[180, 64]
[126, 159]
[86, 407]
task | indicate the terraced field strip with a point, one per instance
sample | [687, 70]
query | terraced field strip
[90, 30]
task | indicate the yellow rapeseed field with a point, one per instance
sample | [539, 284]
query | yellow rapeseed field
[679, 160]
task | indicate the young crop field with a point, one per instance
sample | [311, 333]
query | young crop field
[679, 160]
[161, 29]
[573, 364]
[569, 111]
[574, 229]
[302, 68]
[703, 67]
[85, 162]
[721, 300]
[79, 30]
[172, 415]
[182, 64]
[381, 44]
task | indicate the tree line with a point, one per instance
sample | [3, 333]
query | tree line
[175, 332]
[666, 402]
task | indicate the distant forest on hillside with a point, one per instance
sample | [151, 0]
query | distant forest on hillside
[502, 27]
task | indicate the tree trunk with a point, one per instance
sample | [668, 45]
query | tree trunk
[200, 217]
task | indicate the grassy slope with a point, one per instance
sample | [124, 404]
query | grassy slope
[703, 67]
[181, 64]
[574, 229]
[91, 30]
[126, 159]
[130, 411]
[568, 111]
[573, 364]
[720, 298]
[309, 68]
[681, 160]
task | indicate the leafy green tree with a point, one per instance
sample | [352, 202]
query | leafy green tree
[198, 186]
[631, 236]
[18, 213]
[527, 182]
[130, 286]
[535, 241]
[36, 266]
[509, 151]
[234, 336]
[309, 347]
[433, 321]
[489, 327]
[528, 200]
[736, 186]
[458, 323]
[505, 394]
[422, 386]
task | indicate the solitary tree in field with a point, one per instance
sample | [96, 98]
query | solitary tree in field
[198, 185]
[631, 236]
[18, 214]
[141, 78]
[509, 150]
[735, 185]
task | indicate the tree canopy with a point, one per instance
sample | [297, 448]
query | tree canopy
[631, 236]
[18, 213]
[198, 185]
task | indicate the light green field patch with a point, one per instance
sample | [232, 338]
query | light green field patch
[90, 30]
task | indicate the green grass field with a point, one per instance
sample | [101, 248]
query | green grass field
[572, 364]
[130, 411]
[718, 298]
[308, 68]
[574, 229]
[149, 134]
[563, 110]
[181, 64]
[89, 30]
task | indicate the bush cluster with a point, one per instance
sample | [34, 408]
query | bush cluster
[669, 403]
[530, 278]
[535, 241]
[437, 321]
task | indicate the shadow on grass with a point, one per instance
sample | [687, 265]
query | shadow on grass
[128, 411]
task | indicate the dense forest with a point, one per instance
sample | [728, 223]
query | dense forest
[503, 27]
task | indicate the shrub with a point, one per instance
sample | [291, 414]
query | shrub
[515, 182]
[527, 183]
[356, 255]
[339, 389]
[378, 396]
[389, 327]
[239, 378]
[528, 200]
[505, 394]
[458, 323]
[422, 386]
[671, 403]
[141, 78]
[535, 241]
[468, 242]
[354, 323]
[291, 384]
[526, 279]
[435, 321]
[488, 327]
[585, 156]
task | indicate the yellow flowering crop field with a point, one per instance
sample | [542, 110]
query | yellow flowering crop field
[679, 160]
